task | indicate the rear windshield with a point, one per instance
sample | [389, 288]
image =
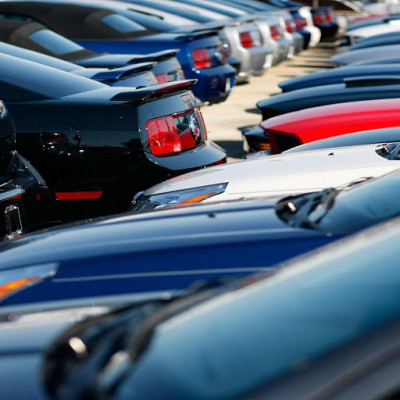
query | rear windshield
[25, 80]
[54, 42]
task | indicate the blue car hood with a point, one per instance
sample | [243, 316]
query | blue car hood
[181, 228]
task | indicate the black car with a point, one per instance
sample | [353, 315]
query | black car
[96, 145]
[23, 191]
[338, 75]
[37, 37]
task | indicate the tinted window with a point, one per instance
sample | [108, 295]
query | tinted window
[54, 42]
[121, 24]
[25, 80]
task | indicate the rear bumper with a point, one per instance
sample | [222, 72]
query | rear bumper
[214, 84]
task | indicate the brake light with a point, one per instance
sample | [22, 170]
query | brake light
[289, 27]
[69, 196]
[328, 17]
[173, 134]
[201, 58]
[318, 19]
[246, 39]
[275, 34]
[162, 78]
[300, 22]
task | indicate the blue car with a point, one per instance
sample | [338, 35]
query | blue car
[134, 75]
[36, 37]
[167, 251]
[109, 28]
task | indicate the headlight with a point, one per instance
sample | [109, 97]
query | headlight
[18, 279]
[177, 198]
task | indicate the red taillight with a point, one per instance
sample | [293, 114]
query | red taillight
[300, 23]
[93, 195]
[163, 136]
[162, 78]
[275, 34]
[201, 58]
[318, 20]
[328, 17]
[289, 27]
[246, 39]
[173, 134]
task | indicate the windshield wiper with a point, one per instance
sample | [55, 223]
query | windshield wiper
[90, 359]
[296, 211]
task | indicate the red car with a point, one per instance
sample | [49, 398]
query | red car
[295, 128]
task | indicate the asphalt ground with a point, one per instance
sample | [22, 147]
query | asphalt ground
[225, 121]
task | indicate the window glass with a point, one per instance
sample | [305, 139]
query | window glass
[54, 42]
[121, 24]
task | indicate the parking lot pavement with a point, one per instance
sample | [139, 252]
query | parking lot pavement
[226, 120]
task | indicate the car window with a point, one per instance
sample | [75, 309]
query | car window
[22, 80]
[121, 24]
[54, 42]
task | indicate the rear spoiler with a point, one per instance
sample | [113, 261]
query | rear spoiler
[190, 36]
[152, 92]
[379, 80]
[119, 73]
[157, 56]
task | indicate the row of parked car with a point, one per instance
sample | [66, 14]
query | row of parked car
[187, 292]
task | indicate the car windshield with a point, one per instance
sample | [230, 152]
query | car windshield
[344, 211]
[237, 341]
[360, 207]
[54, 42]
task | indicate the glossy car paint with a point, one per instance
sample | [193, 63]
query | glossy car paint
[386, 39]
[283, 174]
[157, 252]
[85, 141]
[368, 54]
[21, 33]
[86, 27]
[282, 47]
[305, 126]
[254, 60]
[353, 89]
[385, 135]
[221, 319]
[338, 75]
[134, 76]
[23, 192]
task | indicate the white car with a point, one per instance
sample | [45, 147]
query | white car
[281, 174]
[367, 31]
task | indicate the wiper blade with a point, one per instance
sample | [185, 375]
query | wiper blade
[91, 358]
[295, 210]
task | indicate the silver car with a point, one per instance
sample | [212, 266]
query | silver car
[242, 37]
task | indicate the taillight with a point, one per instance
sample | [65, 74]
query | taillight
[162, 78]
[289, 27]
[300, 22]
[246, 39]
[328, 17]
[173, 134]
[201, 58]
[318, 20]
[275, 34]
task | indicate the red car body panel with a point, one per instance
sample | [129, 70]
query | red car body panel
[326, 121]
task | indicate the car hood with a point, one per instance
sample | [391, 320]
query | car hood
[373, 53]
[285, 174]
[337, 75]
[122, 234]
[23, 339]
[354, 89]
